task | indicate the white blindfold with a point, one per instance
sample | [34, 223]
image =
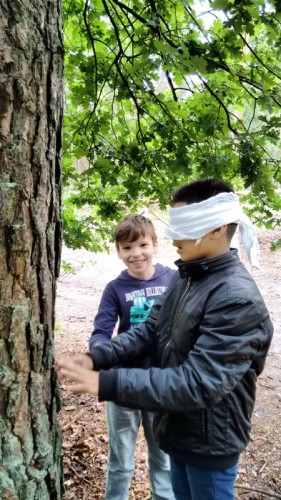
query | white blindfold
[192, 222]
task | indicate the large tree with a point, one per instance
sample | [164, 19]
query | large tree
[31, 54]
[164, 91]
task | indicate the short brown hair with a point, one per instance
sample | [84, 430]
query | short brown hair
[133, 227]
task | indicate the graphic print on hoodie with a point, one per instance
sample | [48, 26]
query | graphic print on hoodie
[140, 310]
[127, 301]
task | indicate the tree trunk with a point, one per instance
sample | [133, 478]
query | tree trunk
[31, 58]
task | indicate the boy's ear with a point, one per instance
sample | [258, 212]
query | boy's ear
[155, 247]
[219, 232]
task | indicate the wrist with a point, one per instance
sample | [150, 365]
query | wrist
[91, 366]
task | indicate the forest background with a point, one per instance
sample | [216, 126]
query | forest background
[155, 94]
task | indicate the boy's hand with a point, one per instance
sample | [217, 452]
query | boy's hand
[86, 380]
[83, 360]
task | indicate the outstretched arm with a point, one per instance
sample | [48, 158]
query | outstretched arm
[218, 362]
[106, 355]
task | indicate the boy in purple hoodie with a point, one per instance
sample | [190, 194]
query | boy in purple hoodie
[127, 300]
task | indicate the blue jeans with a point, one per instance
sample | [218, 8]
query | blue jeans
[195, 483]
[123, 428]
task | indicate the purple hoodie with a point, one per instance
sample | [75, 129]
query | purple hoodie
[128, 300]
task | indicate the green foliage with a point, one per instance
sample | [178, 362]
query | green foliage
[158, 94]
[275, 245]
[67, 268]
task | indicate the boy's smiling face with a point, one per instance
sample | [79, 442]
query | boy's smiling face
[137, 256]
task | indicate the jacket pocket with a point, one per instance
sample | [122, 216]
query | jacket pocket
[192, 431]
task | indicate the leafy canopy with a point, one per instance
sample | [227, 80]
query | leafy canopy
[161, 92]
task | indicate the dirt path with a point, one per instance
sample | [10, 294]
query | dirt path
[83, 419]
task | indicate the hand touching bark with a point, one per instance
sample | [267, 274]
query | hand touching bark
[80, 371]
[83, 360]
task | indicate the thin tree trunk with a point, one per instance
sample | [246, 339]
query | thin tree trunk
[31, 61]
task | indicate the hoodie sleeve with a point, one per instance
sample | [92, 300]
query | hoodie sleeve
[106, 317]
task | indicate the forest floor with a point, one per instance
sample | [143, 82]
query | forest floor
[83, 419]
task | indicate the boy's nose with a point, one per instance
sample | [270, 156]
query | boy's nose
[136, 252]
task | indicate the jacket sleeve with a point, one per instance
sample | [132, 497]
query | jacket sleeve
[106, 317]
[234, 337]
[127, 346]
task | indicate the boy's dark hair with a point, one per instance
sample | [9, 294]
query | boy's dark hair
[201, 190]
[133, 227]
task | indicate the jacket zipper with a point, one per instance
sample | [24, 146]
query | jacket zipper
[177, 314]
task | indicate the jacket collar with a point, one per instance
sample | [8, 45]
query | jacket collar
[199, 268]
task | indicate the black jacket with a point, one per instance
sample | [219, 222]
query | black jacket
[209, 335]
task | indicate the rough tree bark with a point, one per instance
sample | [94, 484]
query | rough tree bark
[31, 55]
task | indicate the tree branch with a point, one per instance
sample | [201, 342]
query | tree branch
[258, 58]
[258, 490]
[221, 104]
[170, 83]
[144, 21]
